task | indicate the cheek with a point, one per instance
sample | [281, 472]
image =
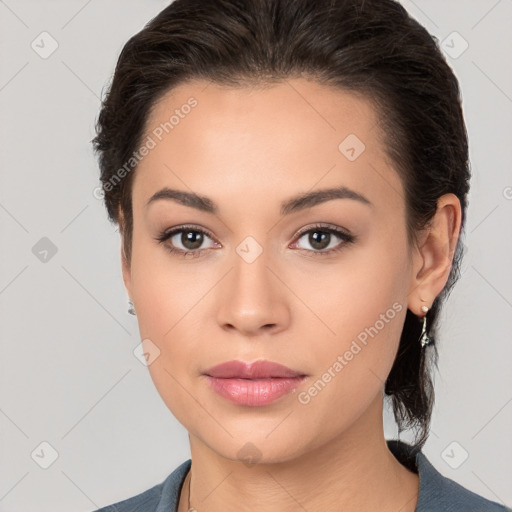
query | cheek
[366, 288]
[160, 298]
[352, 368]
[364, 308]
[171, 385]
[164, 290]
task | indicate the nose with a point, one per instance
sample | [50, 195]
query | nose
[253, 298]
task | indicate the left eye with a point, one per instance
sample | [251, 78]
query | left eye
[323, 239]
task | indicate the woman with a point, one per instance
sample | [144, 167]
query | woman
[290, 181]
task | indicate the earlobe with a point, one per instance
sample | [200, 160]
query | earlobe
[434, 258]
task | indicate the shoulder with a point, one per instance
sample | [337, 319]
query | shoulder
[161, 497]
[439, 493]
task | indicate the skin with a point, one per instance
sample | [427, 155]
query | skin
[249, 149]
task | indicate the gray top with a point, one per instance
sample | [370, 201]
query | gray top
[437, 493]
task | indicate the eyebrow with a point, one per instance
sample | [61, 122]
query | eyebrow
[293, 205]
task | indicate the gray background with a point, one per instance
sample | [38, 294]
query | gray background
[68, 376]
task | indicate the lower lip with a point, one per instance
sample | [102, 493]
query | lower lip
[254, 392]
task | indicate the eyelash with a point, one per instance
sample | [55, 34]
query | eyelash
[346, 237]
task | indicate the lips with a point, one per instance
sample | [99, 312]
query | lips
[257, 370]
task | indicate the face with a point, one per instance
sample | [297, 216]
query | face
[318, 285]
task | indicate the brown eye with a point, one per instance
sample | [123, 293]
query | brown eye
[322, 240]
[191, 239]
[186, 241]
[319, 239]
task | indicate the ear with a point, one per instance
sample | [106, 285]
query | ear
[433, 257]
[125, 265]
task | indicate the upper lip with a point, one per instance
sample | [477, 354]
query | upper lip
[257, 370]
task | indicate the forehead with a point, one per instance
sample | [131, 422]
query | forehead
[275, 140]
[296, 108]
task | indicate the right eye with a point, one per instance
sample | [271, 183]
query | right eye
[191, 239]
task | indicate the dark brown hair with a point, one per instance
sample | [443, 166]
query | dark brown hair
[371, 47]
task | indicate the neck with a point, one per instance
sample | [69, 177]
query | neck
[353, 471]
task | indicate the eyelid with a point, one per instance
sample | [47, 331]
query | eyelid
[185, 227]
[324, 226]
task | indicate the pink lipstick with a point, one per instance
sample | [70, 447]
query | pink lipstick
[256, 384]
